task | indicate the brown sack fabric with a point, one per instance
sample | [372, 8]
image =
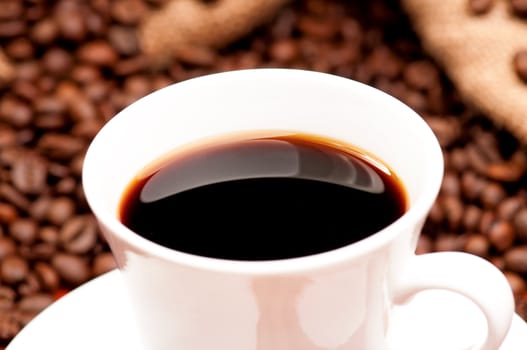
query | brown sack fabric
[477, 53]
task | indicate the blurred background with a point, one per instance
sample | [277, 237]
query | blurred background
[68, 66]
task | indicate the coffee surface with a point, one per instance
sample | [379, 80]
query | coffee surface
[263, 198]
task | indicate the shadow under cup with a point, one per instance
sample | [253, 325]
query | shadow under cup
[176, 290]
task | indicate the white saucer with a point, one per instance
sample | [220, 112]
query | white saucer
[97, 316]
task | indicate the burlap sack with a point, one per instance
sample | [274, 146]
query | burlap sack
[476, 53]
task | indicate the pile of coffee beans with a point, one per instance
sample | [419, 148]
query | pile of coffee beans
[517, 9]
[77, 63]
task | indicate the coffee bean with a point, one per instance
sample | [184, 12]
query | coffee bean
[127, 12]
[70, 21]
[451, 184]
[10, 9]
[30, 285]
[471, 185]
[480, 7]
[501, 235]
[124, 40]
[520, 224]
[57, 61]
[421, 75]
[446, 129]
[8, 213]
[59, 146]
[508, 208]
[29, 174]
[7, 247]
[7, 298]
[20, 49]
[488, 218]
[458, 160]
[60, 210]
[48, 277]
[504, 171]
[24, 230]
[44, 32]
[516, 259]
[103, 263]
[71, 268]
[492, 195]
[517, 283]
[519, 7]
[13, 196]
[49, 234]
[35, 303]
[477, 244]
[471, 218]
[284, 50]
[15, 112]
[78, 234]
[9, 325]
[98, 53]
[13, 269]
[520, 64]
[449, 242]
[453, 209]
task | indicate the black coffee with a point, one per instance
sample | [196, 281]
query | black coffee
[262, 198]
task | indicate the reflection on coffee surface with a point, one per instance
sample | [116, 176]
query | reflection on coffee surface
[262, 198]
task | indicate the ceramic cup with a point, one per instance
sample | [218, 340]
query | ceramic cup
[339, 299]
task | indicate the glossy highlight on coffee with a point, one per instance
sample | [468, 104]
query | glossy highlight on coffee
[263, 198]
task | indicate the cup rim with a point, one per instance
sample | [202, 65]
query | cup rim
[416, 212]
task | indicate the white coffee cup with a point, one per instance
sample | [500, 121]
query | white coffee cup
[339, 299]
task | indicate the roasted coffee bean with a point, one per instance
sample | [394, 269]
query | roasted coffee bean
[501, 235]
[49, 234]
[70, 21]
[7, 298]
[516, 259]
[15, 112]
[24, 230]
[508, 208]
[8, 213]
[517, 283]
[519, 7]
[7, 247]
[520, 64]
[20, 49]
[78, 234]
[124, 40]
[10, 9]
[451, 184]
[48, 277]
[477, 244]
[492, 195]
[98, 53]
[449, 242]
[103, 263]
[421, 75]
[127, 12]
[504, 171]
[57, 61]
[453, 209]
[13, 269]
[29, 174]
[44, 32]
[480, 7]
[520, 224]
[472, 185]
[285, 50]
[30, 285]
[472, 217]
[35, 303]
[60, 210]
[71, 268]
[9, 325]
[59, 146]
[13, 196]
